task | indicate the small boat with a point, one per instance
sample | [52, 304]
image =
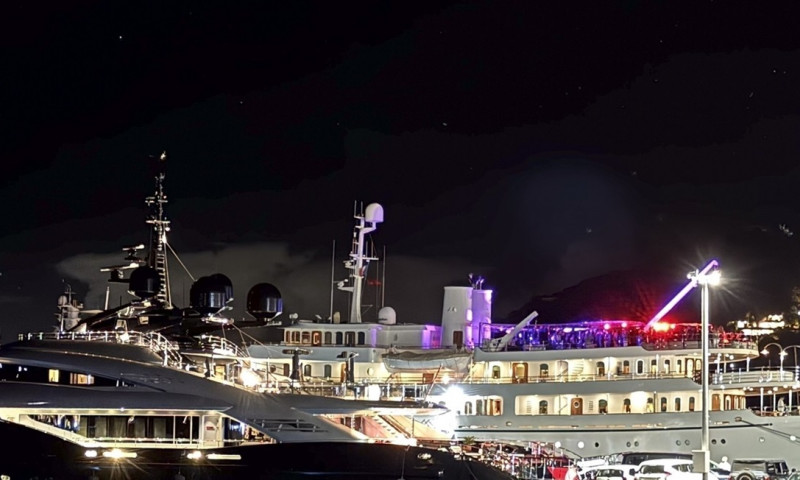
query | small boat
[430, 361]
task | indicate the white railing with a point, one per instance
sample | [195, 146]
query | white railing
[154, 341]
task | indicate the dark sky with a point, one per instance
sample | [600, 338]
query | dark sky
[539, 144]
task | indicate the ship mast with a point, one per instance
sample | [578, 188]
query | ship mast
[358, 262]
[157, 256]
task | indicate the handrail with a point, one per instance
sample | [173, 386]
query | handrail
[154, 341]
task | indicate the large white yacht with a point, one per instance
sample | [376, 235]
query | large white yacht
[143, 391]
[593, 388]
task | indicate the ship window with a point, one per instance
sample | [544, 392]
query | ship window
[495, 406]
[80, 379]
[691, 404]
[677, 404]
[639, 367]
[338, 338]
[328, 370]
[496, 371]
[361, 338]
[286, 369]
[601, 368]
[295, 337]
[287, 336]
[305, 339]
[350, 339]
[667, 365]
[544, 371]
[653, 366]
[679, 366]
[663, 405]
[650, 406]
[543, 407]
[52, 375]
[479, 407]
[626, 405]
[316, 338]
[307, 370]
[467, 408]
[602, 406]
[626, 367]
[327, 338]
[520, 372]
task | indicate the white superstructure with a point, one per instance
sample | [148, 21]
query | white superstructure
[595, 388]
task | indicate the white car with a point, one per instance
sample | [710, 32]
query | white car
[609, 472]
[675, 469]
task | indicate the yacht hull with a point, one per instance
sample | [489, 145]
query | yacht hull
[31, 454]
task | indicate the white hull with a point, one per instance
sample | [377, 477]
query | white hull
[735, 434]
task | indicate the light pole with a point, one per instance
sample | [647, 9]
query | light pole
[796, 366]
[796, 377]
[709, 275]
[781, 354]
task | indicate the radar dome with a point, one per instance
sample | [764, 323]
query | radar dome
[211, 294]
[387, 316]
[264, 302]
[144, 282]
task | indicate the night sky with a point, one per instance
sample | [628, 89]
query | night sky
[539, 144]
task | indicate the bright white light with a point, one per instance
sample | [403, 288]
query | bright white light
[249, 378]
[454, 398]
[713, 278]
[116, 453]
[224, 456]
[91, 453]
[195, 455]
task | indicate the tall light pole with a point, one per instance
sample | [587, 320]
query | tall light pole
[709, 275]
[795, 378]
[781, 354]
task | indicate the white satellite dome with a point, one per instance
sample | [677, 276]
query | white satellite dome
[387, 316]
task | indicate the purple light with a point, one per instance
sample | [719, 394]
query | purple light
[693, 279]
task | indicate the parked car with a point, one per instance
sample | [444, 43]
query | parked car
[635, 458]
[609, 472]
[759, 469]
[674, 468]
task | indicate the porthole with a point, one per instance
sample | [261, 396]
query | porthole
[580, 444]
[714, 441]
[597, 445]
[678, 443]
[722, 441]
[686, 442]
[628, 444]
[761, 439]
[636, 443]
